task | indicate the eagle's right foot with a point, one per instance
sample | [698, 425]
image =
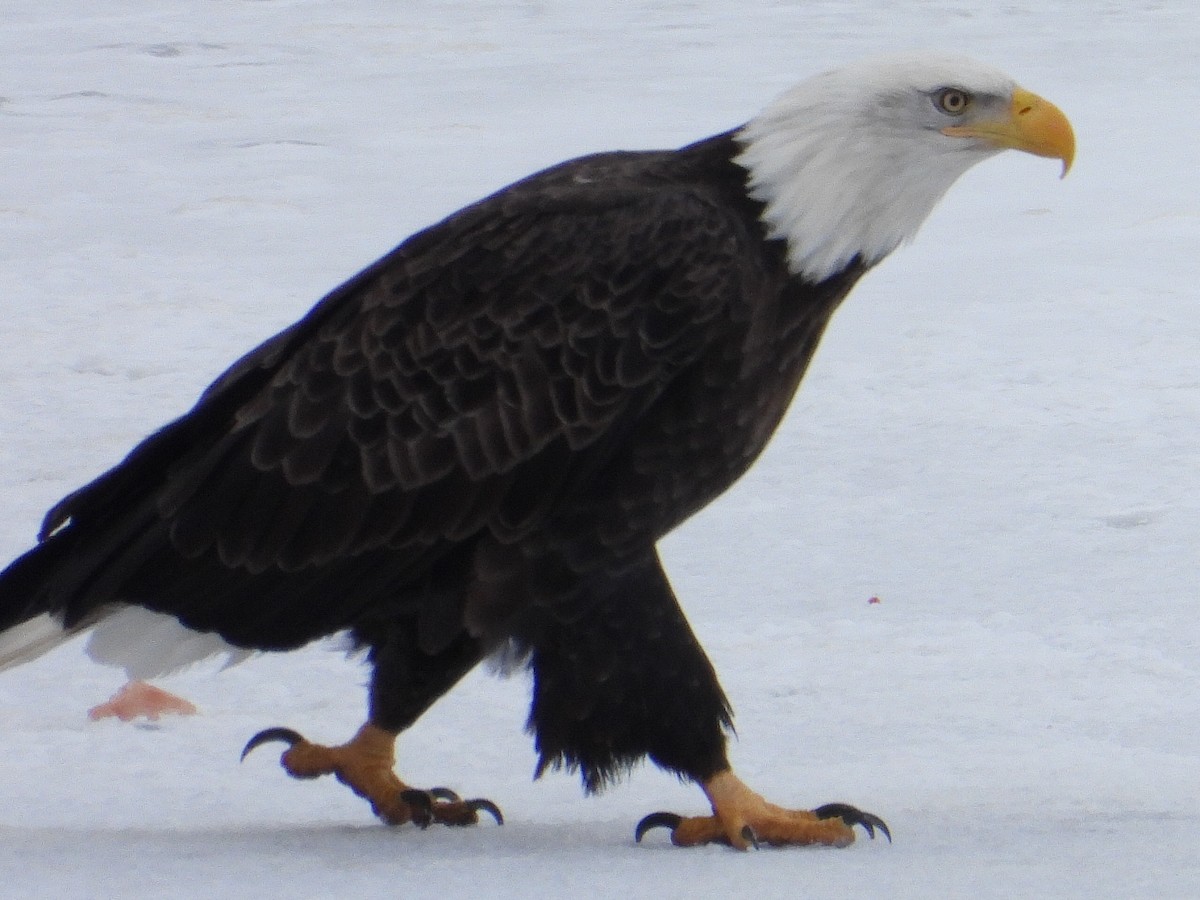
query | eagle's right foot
[741, 819]
[364, 764]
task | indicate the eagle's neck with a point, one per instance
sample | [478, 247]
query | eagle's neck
[837, 183]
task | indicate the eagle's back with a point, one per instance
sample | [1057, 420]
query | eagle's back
[581, 360]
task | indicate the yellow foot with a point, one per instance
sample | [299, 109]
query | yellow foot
[741, 819]
[364, 764]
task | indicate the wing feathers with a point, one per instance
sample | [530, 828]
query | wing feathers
[466, 383]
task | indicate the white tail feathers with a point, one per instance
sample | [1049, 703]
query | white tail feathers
[145, 644]
[148, 644]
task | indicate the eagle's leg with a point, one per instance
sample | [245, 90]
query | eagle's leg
[406, 681]
[742, 818]
[623, 677]
[365, 765]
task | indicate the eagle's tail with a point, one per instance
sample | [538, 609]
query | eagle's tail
[29, 626]
[40, 609]
[31, 638]
[97, 537]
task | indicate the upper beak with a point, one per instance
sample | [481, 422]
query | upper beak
[1033, 124]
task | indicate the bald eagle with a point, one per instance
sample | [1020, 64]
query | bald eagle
[473, 446]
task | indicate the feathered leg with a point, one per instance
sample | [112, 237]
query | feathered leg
[619, 675]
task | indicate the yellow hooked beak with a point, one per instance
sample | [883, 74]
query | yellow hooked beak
[1034, 125]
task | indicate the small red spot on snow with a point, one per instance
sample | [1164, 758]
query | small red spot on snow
[140, 699]
[873, 600]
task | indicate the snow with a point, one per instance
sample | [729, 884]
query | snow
[998, 439]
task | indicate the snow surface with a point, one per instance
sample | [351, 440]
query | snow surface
[998, 439]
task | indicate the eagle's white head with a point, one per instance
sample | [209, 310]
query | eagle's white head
[851, 162]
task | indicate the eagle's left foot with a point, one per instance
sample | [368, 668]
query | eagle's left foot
[741, 819]
[364, 764]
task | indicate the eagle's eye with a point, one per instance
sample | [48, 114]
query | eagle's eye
[952, 101]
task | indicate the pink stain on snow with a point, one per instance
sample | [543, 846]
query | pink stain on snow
[138, 698]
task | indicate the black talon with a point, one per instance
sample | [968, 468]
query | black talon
[286, 735]
[750, 837]
[488, 807]
[656, 820]
[852, 816]
[422, 805]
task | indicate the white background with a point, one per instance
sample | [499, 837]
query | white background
[998, 439]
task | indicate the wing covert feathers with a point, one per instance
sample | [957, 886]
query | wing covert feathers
[469, 382]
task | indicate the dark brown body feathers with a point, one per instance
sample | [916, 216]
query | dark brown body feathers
[478, 440]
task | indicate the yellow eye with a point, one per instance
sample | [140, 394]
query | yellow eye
[952, 101]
